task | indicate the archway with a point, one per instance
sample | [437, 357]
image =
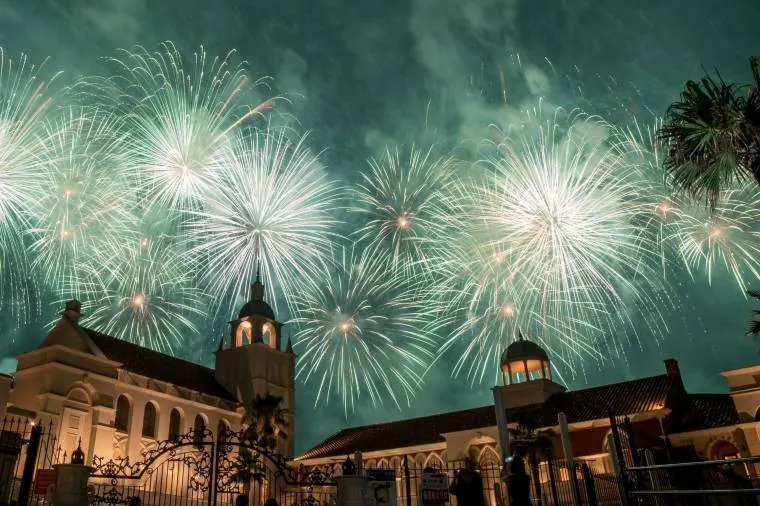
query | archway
[723, 450]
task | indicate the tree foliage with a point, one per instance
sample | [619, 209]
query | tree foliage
[754, 324]
[712, 136]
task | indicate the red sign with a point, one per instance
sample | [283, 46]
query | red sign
[44, 478]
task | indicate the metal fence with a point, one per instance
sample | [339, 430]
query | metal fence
[662, 475]
[27, 451]
[733, 482]
[556, 484]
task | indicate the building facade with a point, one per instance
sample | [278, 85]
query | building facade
[118, 399]
[660, 413]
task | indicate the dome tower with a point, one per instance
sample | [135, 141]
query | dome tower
[527, 375]
[252, 360]
[524, 361]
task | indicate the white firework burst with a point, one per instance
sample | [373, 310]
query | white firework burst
[272, 205]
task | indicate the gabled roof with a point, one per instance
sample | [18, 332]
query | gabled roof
[626, 398]
[159, 366]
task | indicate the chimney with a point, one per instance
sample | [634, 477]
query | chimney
[671, 367]
[73, 310]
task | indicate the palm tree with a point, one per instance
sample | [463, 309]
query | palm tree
[266, 422]
[713, 136]
[754, 325]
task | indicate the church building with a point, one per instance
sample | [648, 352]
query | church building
[659, 410]
[118, 398]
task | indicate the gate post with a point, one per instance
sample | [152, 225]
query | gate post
[30, 464]
[213, 471]
[618, 461]
[71, 485]
[407, 481]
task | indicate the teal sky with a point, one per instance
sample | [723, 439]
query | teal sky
[363, 75]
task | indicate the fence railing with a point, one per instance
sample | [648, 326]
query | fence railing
[731, 482]
[26, 448]
[556, 484]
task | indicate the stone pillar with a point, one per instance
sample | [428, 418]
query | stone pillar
[71, 486]
[351, 490]
[102, 434]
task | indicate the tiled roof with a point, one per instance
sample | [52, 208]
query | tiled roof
[412, 432]
[636, 396]
[625, 398]
[158, 366]
[707, 411]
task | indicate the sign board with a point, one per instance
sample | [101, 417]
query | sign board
[43, 479]
[381, 488]
[381, 474]
[380, 493]
[435, 489]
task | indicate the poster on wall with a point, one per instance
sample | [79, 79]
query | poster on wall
[435, 489]
[381, 489]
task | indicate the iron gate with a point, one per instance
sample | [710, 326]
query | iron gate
[199, 469]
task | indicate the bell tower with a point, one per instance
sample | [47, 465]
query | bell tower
[253, 361]
[527, 374]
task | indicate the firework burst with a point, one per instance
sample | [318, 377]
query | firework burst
[271, 205]
[557, 220]
[362, 332]
[24, 104]
[86, 207]
[726, 237]
[180, 117]
[401, 203]
[144, 296]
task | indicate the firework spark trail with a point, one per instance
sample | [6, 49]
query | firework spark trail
[180, 118]
[273, 204]
[86, 206]
[24, 105]
[727, 237]
[558, 220]
[401, 202]
[143, 295]
[362, 332]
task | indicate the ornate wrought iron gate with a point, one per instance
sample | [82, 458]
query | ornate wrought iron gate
[198, 469]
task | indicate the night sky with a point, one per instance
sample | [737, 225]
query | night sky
[364, 75]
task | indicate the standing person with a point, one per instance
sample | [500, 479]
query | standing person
[468, 486]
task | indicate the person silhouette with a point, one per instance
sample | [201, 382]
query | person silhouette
[467, 486]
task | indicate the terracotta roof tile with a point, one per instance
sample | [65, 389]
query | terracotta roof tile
[625, 398]
[707, 411]
[636, 396]
[158, 366]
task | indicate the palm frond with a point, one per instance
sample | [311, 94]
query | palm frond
[713, 136]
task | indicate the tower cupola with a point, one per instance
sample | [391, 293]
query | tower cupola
[524, 361]
[256, 322]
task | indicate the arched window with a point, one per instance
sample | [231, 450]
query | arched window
[222, 428]
[121, 421]
[268, 335]
[757, 415]
[199, 427]
[175, 423]
[149, 420]
[244, 335]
